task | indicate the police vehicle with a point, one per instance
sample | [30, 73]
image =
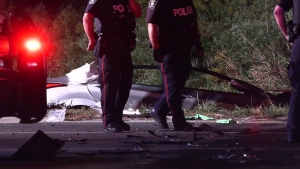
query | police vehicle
[22, 69]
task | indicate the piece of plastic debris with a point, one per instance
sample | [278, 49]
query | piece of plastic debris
[226, 121]
[161, 136]
[238, 155]
[205, 126]
[234, 158]
[146, 155]
[39, 147]
[136, 150]
[140, 149]
[131, 111]
[97, 107]
[82, 74]
[134, 136]
[198, 117]
[71, 140]
[193, 145]
[56, 115]
[152, 133]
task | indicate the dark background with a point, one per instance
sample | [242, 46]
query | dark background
[52, 6]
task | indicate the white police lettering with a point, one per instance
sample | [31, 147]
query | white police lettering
[120, 8]
[183, 11]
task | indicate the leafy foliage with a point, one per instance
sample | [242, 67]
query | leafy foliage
[241, 40]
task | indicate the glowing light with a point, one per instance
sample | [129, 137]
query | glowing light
[31, 64]
[33, 45]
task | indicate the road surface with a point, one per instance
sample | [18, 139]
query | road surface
[248, 144]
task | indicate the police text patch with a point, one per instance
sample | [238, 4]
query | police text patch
[152, 4]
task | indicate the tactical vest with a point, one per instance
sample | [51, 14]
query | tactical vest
[117, 19]
[296, 14]
[181, 24]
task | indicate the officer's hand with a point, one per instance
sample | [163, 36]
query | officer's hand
[157, 54]
[199, 50]
[132, 42]
[288, 39]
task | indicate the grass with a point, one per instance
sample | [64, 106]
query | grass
[82, 114]
[271, 112]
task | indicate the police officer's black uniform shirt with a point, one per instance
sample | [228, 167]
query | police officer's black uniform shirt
[175, 18]
[112, 15]
[286, 4]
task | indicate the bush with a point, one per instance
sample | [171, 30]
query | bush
[241, 40]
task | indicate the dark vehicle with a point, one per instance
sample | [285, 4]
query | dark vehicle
[22, 69]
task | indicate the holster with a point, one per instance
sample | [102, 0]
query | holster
[291, 31]
[132, 41]
[99, 48]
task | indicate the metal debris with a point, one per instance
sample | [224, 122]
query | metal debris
[136, 150]
[161, 136]
[238, 155]
[134, 136]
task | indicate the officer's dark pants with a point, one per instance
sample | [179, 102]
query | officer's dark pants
[115, 78]
[175, 70]
[293, 123]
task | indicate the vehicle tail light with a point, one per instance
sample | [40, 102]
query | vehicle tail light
[4, 46]
[33, 45]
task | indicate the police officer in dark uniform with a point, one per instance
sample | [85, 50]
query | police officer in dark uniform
[173, 31]
[112, 44]
[293, 123]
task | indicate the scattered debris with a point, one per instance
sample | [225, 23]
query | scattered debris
[88, 154]
[82, 141]
[161, 136]
[206, 127]
[136, 150]
[226, 121]
[131, 111]
[134, 136]
[56, 115]
[198, 117]
[233, 158]
[238, 155]
[248, 132]
[146, 155]
[166, 139]
[39, 147]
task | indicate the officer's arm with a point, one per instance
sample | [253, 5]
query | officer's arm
[135, 8]
[153, 35]
[88, 25]
[280, 19]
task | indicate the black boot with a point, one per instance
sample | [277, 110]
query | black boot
[113, 128]
[160, 120]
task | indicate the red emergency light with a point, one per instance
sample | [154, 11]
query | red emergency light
[4, 46]
[33, 45]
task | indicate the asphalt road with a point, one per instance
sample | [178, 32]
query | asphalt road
[248, 144]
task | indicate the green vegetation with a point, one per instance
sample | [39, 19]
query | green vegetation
[241, 40]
